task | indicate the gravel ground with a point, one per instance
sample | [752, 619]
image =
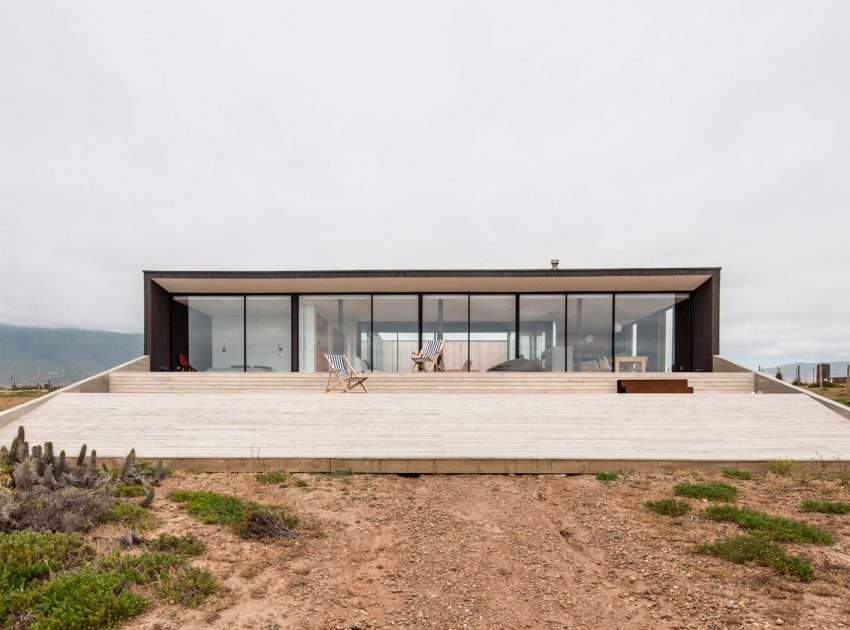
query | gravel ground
[503, 552]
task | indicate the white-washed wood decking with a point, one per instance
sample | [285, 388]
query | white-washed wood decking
[434, 432]
[443, 383]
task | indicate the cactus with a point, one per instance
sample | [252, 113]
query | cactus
[93, 465]
[48, 453]
[128, 463]
[21, 434]
[62, 467]
[36, 456]
[13, 451]
[47, 479]
[21, 451]
[81, 458]
[159, 472]
[5, 456]
[23, 479]
[148, 498]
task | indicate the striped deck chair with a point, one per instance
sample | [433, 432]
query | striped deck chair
[345, 374]
[430, 357]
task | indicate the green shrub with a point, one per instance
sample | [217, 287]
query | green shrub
[668, 507]
[606, 476]
[710, 491]
[735, 473]
[27, 556]
[274, 476]
[300, 483]
[825, 507]
[129, 490]
[132, 515]
[189, 586]
[781, 467]
[239, 514]
[187, 544]
[763, 552]
[769, 525]
[84, 600]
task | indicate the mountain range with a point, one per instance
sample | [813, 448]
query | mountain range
[71, 352]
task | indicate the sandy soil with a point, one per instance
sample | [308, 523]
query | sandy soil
[502, 552]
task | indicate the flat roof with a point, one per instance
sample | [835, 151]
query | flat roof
[434, 280]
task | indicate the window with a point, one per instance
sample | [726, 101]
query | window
[492, 330]
[447, 317]
[541, 330]
[209, 331]
[268, 330]
[334, 324]
[395, 332]
[589, 333]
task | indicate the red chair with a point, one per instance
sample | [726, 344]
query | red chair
[183, 364]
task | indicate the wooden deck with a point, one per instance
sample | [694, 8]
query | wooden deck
[418, 432]
[442, 383]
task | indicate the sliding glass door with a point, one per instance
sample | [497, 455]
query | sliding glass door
[395, 332]
[541, 330]
[334, 324]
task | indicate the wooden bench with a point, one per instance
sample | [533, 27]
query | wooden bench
[653, 386]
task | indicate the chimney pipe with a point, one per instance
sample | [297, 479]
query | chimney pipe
[555, 262]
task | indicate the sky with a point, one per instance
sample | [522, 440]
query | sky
[339, 135]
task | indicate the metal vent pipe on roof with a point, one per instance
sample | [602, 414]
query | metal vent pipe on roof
[555, 262]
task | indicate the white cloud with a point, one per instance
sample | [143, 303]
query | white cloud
[329, 135]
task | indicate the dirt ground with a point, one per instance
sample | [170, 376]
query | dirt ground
[10, 399]
[502, 552]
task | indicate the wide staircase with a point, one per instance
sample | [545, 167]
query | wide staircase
[445, 383]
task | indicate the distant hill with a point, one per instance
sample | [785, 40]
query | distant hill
[789, 371]
[75, 351]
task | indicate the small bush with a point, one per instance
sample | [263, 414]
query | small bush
[243, 516]
[189, 586]
[763, 552]
[300, 483]
[769, 525]
[735, 473]
[274, 476]
[132, 515]
[65, 510]
[710, 491]
[77, 600]
[668, 507]
[825, 507]
[129, 490]
[781, 467]
[606, 476]
[187, 544]
[28, 556]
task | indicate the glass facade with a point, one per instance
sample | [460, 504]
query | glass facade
[209, 332]
[395, 332]
[492, 330]
[268, 333]
[541, 330]
[645, 330]
[334, 324]
[589, 326]
[592, 332]
[446, 317]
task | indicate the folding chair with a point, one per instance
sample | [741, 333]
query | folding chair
[430, 357]
[346, 375]
[183, 364]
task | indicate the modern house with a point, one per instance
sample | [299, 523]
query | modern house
[567, 320]
[600, 340]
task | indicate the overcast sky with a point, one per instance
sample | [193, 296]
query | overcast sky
[319, 135]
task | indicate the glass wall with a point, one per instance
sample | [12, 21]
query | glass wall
[589, 333]
[447, 317]
[395, 332]
[644, 329]
[541, 330]
[209, 331]
[336, 324]
[492, 330]
[562, 332]
[268, 333]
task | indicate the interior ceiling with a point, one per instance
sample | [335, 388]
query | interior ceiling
[425, 284]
